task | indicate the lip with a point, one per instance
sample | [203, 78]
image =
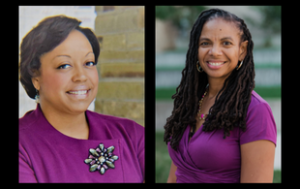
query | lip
[215, 61]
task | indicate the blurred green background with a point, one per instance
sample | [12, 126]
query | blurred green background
[173, 24]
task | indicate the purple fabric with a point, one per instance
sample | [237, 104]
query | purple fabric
[48, 156]
[208, 158]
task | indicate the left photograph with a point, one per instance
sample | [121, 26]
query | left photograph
[81, 94]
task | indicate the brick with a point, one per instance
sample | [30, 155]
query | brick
[135, 40]
[113, 55]
[122, 70]
[128, 109]
[140, 121]
[128, 20]
[99, 8]
[121, 90]
[126, 7]
[114, 42]
[141, 17]
[105, 23]
[119, 21]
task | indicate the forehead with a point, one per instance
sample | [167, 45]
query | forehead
[219, 27]
[75, 44]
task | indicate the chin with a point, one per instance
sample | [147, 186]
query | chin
[78, 107]
[217, 74]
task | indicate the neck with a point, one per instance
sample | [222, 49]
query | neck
[215, 85]
[72, 125]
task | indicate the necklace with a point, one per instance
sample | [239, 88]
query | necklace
[202, 116]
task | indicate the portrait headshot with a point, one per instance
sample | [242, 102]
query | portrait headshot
[81, 94]
[218, 94]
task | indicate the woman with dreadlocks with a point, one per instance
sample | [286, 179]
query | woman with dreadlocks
[220, 129]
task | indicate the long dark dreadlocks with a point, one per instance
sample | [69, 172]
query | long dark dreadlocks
[230, 108]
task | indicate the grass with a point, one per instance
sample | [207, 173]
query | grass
[163, 161]
[264, 92]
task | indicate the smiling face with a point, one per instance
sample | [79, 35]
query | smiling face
[68, 80]
[220, 48]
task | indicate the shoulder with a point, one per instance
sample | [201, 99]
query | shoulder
[260, 123]
[27, 121]
[114, 122]
[109, 119]
[256, 100]
[258, 105]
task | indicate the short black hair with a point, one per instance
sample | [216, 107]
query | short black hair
[43, 38]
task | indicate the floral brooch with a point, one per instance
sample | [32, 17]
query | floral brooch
[101, 159]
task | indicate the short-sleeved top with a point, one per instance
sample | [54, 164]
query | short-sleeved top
[209, 158]
[48, 156]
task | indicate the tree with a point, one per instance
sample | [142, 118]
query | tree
[183, 17]
[271, 21]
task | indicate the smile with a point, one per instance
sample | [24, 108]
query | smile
[82, 92]
[215, 65]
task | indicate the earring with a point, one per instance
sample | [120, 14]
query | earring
[240, 65]
[199, 67]
[37, 97]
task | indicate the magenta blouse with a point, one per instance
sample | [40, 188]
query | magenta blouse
[208, 158]
[113, 153]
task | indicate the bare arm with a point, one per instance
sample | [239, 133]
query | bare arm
[257, 162]
[172, 176]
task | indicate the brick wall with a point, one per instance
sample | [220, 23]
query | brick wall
[120, 30]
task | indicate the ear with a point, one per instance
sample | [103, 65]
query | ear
[243, 50]
[36, 82]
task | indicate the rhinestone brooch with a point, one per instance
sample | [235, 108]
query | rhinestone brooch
[101, 159]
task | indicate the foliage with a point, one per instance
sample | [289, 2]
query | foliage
[270, 22]
[181, 16]
[271, 17]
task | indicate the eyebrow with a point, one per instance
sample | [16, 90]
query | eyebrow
[70, 56]
[207, 39]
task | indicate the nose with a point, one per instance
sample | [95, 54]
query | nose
[215, 50]
[79, 75]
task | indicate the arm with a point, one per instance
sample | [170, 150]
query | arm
[172, 177]
[257, 162]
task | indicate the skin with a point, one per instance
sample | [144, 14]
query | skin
[68, 67]
[220, 42]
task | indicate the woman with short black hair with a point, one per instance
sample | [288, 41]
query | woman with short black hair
[62, 141]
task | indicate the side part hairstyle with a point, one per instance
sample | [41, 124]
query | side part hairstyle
[43, 38]
[230, 108]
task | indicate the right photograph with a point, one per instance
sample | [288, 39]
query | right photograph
[218, 94]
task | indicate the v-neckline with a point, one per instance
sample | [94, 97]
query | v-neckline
[188, 136]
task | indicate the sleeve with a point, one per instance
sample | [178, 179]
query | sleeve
[260, 125]
[26, 173]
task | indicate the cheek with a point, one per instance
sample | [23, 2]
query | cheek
[232, 55]
[94, 79]
[201, 54]
[93, 74]
[52, 83]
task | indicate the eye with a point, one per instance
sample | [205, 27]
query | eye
[90, 63]
[227, 43]
[64, 66]
[204, 43]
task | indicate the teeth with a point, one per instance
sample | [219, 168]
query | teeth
[78, 92]
[215, 64]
